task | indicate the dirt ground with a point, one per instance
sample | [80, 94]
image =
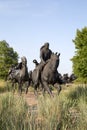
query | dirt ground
[30, 98]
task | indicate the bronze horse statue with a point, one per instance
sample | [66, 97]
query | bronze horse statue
[48, 74]
[20, 75]
[34, 81]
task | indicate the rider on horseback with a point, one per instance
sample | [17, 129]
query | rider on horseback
[45, 54]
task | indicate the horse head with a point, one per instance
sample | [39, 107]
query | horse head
[55, 59]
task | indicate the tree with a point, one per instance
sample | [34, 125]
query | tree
[80, 58]
[7, 57]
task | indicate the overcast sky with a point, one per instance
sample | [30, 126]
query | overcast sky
[27, 24]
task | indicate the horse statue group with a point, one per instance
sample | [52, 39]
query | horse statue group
[43, 75]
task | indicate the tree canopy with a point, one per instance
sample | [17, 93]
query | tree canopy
[7, 57]
[80, 58]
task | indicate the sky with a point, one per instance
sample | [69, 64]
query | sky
[27, 24]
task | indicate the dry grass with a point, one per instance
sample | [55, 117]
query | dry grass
[2, 83]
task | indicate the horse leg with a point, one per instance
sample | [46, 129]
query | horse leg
[45, 87]
[27, 86]
[35, 90]
[13, 86]
[58, 87]
[20, 88]
[43, 91]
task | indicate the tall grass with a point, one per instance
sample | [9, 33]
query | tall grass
[65, 112]
[74, 114]
[68, 111]
[5, 86]
[13, 112]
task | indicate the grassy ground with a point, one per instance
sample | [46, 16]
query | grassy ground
[68, 111]
[2, 83]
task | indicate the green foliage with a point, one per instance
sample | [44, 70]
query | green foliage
[80, 58]
[7, 57]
